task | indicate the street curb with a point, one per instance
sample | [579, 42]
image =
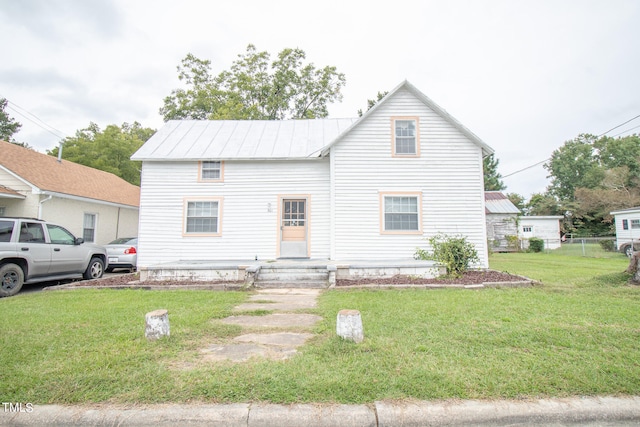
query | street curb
[556, 412]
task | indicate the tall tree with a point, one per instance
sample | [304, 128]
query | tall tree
[254, 88]
[492, 178]
[8, 125]
[574, 165]
[108, 150]
[372, 102]
[592, 176]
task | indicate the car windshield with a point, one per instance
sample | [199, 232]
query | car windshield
[124, 241]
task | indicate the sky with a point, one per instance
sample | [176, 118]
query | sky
[524, 76]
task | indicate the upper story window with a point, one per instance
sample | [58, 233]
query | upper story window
[527, 229]
[406, 138]
[211, 171]
[635, 223]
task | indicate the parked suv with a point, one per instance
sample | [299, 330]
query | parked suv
[33, 250]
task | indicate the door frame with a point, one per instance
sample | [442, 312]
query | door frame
[281, 199]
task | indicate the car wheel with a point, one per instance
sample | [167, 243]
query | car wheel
[95, 269]
[628, 250]
[12, 279]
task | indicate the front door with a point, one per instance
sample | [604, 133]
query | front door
[293, 228]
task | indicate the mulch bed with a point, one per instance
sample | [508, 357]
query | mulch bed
[468, 278]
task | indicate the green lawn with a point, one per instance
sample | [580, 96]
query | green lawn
[576, 334]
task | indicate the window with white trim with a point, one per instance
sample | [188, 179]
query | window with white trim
[401, 213]
[211, 171]
[635, 223]
[625, 224]
[2, 210]
[527, 229]
[202, 217]
[405, 137]
[89, 227]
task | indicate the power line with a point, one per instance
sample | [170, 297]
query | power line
[528, 167]
[625, 131]
[35, 120]
[602, 134]
[621, 124]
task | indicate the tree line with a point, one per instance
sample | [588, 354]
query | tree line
[590, 175]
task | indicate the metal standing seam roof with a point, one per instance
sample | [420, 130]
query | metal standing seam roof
[241, 139]
[497, 203]
[267, 139]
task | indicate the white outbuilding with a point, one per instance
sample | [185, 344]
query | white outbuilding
[627, 223]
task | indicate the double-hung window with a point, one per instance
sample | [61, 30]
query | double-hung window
[401, 213]
[202, 217]
[211, 171]
[89, 227]
[406, 138]
[635, 223]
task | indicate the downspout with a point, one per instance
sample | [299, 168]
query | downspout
[118, 224]
[40, 205]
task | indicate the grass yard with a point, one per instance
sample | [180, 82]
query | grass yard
[577, 334]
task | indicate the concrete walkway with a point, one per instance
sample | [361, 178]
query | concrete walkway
[596, 411]
[275, 336]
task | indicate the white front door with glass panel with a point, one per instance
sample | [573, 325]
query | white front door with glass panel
[293, 228]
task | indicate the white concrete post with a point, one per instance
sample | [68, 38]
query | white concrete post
[157, 324]
[349, 325]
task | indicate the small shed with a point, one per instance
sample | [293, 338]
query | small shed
[546, 228]
[502, 222]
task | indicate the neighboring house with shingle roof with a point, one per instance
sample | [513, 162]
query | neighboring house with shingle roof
[91, 203]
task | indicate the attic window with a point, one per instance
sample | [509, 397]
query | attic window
[406, 139]
[211, 171]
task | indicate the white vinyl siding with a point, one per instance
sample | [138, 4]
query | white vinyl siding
[249, 223]
[447, 175]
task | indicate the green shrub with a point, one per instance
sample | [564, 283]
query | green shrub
[608, 245]
[536, 244]
[455, 253]
[513, 242]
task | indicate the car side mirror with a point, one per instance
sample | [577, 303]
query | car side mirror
[79, 241]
